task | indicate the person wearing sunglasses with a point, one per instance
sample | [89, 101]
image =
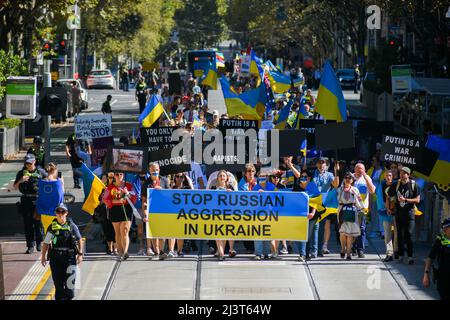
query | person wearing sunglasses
[350, 203]
[223, 183]
[62, 242]
[120, 211]
[154, 181]
[180, 181]
[250, 183]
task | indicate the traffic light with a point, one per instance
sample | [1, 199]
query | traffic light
[62, 47]
[52, 101]
[47, 46]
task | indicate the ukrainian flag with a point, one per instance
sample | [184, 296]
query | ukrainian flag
[440, 174]
[281, 83]
[255, 68]
[284, 115]
[330, 100]
[301, 112]
[153, 110]
[250, 105]
[331, 203]
[211, 77]
[303, 146]
[93, 187]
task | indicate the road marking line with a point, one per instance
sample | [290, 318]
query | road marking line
[40, 285]
[51, 294]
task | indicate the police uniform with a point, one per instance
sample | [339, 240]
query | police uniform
[33, 227]
[39, 154]
[64, 243]
[441, 253]
[141, 93]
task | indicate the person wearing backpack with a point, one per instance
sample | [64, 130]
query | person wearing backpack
[106, 106]
[408, 196]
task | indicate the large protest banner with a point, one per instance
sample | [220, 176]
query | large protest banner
[93, 126]
[238, 215]
[168, 163]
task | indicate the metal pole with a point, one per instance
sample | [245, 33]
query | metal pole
[2, 281]
[74, 53]
[47, 119]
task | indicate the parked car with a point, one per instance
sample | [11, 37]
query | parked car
[100, 79]
[83, 91]
[346, 77]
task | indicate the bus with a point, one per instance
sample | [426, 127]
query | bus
[200, 60]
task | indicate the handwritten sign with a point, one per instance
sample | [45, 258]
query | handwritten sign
[93, 126]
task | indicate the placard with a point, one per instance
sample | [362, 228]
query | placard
[309, 126]
[167, 163]
[100, 149]
[93, 126]
[335, 136]
[237, 215]
[157, 138]
[409, 151]
[127, 159]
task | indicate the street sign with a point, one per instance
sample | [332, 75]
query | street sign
[401, 78]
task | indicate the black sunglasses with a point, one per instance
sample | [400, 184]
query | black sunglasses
[179, 176]
[61, 211]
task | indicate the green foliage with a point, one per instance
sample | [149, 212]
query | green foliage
[10, 123]
[10, 65]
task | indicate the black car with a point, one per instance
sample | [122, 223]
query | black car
[346, 77]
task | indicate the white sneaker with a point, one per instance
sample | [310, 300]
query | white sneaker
[150, 253]
[284, 250]
[141, 252]
[171, 254]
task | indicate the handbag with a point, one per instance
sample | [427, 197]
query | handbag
[349, 213]
[100, 214]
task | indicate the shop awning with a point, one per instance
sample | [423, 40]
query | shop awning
[433, 86]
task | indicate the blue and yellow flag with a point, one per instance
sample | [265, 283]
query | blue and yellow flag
[301, 113]
[251, 105]
[284, 115]
[93, 187]
[256, 69]
[153, 110]
[281, 83]
[330, 102]
[211, 77]
[440, 174]
[330, 203]
[51, 193]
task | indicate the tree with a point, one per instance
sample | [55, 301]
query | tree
[10, 65]
[201, 23]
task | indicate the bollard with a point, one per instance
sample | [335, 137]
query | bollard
[2, 282]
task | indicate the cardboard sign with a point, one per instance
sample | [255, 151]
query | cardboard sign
[127, 159]
[408, 151]
[93, 126]
[100, 149]
[335, 136]
[237, 215]
[167, 163]
[157, 138]
[309, 126]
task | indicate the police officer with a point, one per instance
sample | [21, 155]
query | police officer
[440, 252]
[38, 151]
[27, 183]
[141, 94]
[63, 244]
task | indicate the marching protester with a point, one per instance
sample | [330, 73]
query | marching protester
[350, 202]
[120, 211]
[62, 247]
[102, 215]
[137, 182]
[50, 191]
[308, 249]
[386, 212]
[141, 94]
[26, 182]
[365, 187]
[407, 197]
[154, 181]
[75, 160]
[223, 184]
[325, 181]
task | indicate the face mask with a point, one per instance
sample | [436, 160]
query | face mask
[155, 174]
[303, 179]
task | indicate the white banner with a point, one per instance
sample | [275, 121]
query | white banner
[93, 126]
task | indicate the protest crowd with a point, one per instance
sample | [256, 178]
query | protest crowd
[359, 197]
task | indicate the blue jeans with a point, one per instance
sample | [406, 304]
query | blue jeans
[309, 247]
[360, 243]
[262, 248]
